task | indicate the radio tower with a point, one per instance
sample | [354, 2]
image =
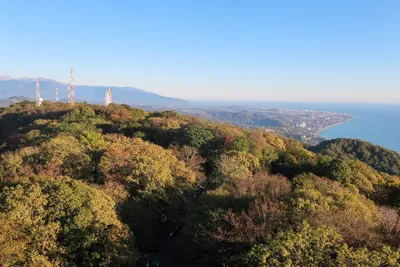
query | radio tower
[69, 94]
[56, 95]
[71, 89]
[107, 97]
[38, 102]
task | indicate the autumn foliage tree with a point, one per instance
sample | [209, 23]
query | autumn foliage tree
[143, 167]
[114, 186]
[61, 223]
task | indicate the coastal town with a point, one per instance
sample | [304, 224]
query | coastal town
[302, 124]
[307, 125]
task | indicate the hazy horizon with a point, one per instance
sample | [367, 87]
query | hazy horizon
[224, 101]
[313, 51]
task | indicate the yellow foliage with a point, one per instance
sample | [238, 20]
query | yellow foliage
[250, 162]
[275, 141]
[224, 130]
[326, 202]
[143, 165]
[47, 222]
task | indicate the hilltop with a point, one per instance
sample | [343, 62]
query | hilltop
[118, 186]
[92, 94]
[380, 158]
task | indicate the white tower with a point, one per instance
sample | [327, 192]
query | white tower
[107, 97]
[56, 95]
[71, 88]
[38, 99]
[69, 94]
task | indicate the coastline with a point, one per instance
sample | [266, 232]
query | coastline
[333, 125]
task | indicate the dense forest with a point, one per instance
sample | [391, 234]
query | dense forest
[380, 158]
[118, 186]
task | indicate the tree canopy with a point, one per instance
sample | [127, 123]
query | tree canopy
[380, 158]
[119, 186]
[61, 222]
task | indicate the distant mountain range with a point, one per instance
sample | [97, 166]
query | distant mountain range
[10, 87]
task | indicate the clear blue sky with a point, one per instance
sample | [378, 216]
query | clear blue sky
[210, 49]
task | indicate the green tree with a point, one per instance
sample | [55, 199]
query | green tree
[61, 223]
[316, 247]
[143, 167]
[324, 202]
[198, 135]
[67, 155]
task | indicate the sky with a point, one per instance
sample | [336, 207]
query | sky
[330, 51]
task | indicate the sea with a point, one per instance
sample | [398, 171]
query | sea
[375, 123]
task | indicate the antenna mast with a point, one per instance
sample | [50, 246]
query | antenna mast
[71, 89]
[38, 102]
[56, 95]
[107, 97]
[69, 94]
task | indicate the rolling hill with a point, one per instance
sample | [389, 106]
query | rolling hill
[380, 158]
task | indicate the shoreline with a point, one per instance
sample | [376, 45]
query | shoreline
[333, 125]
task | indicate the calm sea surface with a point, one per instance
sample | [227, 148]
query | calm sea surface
[379, 124]
[376, 123]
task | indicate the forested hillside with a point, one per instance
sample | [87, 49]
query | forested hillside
[380, 158]
[118, 186]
